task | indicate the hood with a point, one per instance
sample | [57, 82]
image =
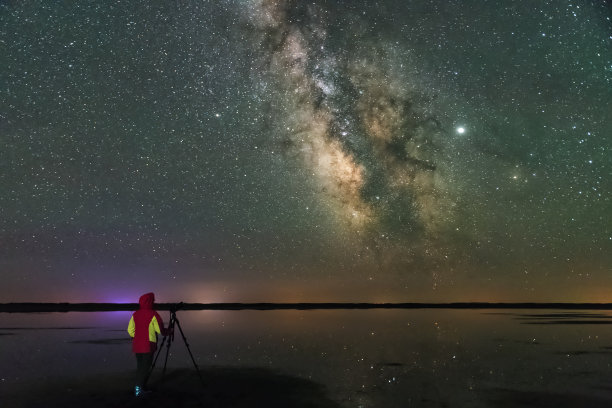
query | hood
[146, 301]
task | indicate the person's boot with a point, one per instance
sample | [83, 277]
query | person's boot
[140, 391]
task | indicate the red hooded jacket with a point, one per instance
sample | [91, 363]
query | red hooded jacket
[144, 326]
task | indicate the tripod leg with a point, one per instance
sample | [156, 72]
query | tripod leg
[161, 347]
[189, 350]
[170, 338]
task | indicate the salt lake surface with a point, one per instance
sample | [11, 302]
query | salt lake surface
[364, 358]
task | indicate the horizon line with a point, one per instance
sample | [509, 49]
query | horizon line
[42, 307]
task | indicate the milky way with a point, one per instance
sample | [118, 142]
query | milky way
[355, 125]
[254, 149]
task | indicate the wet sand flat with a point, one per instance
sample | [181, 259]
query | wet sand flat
[223, 387]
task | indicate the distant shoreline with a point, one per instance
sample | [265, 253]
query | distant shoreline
[114, 307]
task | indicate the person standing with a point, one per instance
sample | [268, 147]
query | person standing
[144, 327]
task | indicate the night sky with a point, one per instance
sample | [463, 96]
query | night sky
[267, 150]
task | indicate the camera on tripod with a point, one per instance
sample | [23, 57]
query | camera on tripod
[169, 339]
[175, 307]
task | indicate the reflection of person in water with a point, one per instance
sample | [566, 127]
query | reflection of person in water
[144, 326]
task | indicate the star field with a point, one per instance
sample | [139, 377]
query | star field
[264, 150]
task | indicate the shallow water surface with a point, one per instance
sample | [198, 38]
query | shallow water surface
[364, 358]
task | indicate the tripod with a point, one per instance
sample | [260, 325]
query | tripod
[174, 321]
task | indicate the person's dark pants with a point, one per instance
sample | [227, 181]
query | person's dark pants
[143, 365]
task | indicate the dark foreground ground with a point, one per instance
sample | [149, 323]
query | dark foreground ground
[252, 388]
[542, 399]
[224, 387]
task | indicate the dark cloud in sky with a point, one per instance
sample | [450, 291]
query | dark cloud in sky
[264, 150]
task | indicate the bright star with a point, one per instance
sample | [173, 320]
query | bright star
[461, 130]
